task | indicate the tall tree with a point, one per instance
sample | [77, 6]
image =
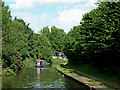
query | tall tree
[55, 36]
[96, 39]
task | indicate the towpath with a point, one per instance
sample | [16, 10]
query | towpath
[95, 78]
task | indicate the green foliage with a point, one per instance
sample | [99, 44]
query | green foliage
[45, 31]
[29, 62]
[56, 54]
[55, 36]
[96, 40]
[20, 42]
[8, 72]
[40, 47]
[58, 61]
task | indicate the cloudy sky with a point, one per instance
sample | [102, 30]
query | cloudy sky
[60, 13]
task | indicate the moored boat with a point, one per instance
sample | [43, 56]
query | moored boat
[42, 63]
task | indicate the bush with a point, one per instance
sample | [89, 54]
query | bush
[8, 72]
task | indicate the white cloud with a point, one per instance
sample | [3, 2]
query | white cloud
[72, 17]
[9, 0]
[58, 1]
[68, 18]
[24, 4]
[87, 6]
[36, 21]
[43, 18]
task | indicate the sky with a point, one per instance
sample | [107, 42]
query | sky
[63, 14]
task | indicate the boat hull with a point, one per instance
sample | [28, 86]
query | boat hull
[38, 66]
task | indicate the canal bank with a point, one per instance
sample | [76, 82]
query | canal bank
[114, 85]
[84, 78]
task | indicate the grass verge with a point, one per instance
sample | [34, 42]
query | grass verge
[95, 72]
[58, 61]
[65, 70]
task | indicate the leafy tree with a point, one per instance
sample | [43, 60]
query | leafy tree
[45, 31]
[95, 41]
[20, 42]
[55, 36]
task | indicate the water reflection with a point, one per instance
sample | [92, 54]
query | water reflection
[39, 78]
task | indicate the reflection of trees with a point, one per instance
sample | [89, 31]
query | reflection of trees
[22, 79]
[70, 83]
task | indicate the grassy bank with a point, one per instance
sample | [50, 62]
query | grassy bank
[95, 72]
[65, 70]
[58, 61]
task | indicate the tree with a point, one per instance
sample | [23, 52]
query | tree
[95, 41]
[55, 36]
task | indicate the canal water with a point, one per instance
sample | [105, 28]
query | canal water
[33, 77]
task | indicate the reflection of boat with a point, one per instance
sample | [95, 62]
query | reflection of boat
[38, 74]
[43, 63]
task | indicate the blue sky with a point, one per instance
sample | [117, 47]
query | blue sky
[60, 13]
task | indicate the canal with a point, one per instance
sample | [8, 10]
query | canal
[47, 77]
